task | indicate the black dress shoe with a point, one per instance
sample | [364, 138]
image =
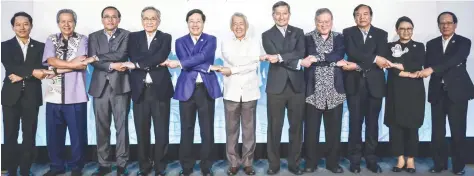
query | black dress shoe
[438, 169]
[101, 171]
[76, 172]
[122, 171]
[375, 168]
[142, 173]
[296, 171]
[397, 169]
[354, 169]
[460, 172]
[53, 173]
[411, 170]
[272, 171]
[336, 170]
[309, 170]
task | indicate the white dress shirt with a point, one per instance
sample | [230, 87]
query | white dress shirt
[24, 47]
[149, 39]
[445, 45]
[242, 57]
[195, 40]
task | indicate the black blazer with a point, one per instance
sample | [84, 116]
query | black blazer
[449, 66]
[291, 49]
[149, 61]
[363, 54]
[14, 63]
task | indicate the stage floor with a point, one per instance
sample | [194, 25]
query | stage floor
[220, 168]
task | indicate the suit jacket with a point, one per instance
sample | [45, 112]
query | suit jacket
[449, 67]
[334, 56]
[149, 61]
[363, 54]
[108, 52]
[196, 59]
[291, 49]
[14, 63]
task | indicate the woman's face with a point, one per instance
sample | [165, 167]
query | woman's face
[405, 31]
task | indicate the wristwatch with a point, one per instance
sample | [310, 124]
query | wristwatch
[95, 57]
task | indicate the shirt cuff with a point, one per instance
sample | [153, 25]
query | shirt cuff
[358, 68]
[375, 59]
[110, 68]
[209, 69]
[298, 67]
[136, 65]
[280, 59]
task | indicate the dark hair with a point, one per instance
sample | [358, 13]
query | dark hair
[198, 12]
[23, 14]
[280, 3]
[455, 19]
[359, 6]
[403, 19]
[110, 7]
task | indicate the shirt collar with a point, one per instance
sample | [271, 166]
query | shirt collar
[284, 28]
[361, 30]
[192, 37]
[21, 43]
[152, 34]
[447, 40]
[113, 32]
[243, 39]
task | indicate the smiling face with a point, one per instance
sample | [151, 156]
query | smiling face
[281, 16]
[150, 20]
[66, 24]
[239, 27]
[22, 27]
[110, 19]
[362, 17]
[446, 25]
[405, 31]
[195, 24]
[324, 23]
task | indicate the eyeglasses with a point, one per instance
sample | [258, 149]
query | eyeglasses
[110, 17]
[323, 22]
[150, 19]
[406, 29]
[446, 23]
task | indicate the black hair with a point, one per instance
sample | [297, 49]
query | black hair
[455, 19]
[280, 3]
[23, 14]
[110, 7]
[360, 6]
[198, 12]
[403, 19]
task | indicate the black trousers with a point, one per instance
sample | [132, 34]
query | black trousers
[404, 141]
[457, 116]
[149, 109]
[363, 106]
[20, 155]
[332, 129]
[277, 103]
[204, 105]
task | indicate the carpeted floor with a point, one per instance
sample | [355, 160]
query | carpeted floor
[220, 168]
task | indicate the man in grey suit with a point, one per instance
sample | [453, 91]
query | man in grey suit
[284, 45]
[110, 88]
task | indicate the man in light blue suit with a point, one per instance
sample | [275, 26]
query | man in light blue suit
[196, 89]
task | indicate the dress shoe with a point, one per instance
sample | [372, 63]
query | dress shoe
[272, 171]
[249, 170]
[160, 173]
[296, 171]
[438, 169]
[462, 172]
[183, 173]
[354, 169]
[411, 170]
[101, 171]
[336, 170]
[309, 170]
[142, 173]
[232, 170]
[53, 173]
[122, 171]
[207, 172]
[375, 168]
[397, 169]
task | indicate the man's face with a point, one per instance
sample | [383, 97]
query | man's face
[22, 27]
[110, 19]
[362, 17]
[324, 23]
[446, 25]
[150, 20]
[239, 27]
[195, 24]
[281, 16]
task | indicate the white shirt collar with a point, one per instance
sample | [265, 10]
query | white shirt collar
[195, 40]
[243, 39]
[21, 43]
[447, 40]
[361, 30]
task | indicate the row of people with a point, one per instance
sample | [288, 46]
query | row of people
[308, 76]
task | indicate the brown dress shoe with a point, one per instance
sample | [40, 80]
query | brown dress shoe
[249, 170]
[232, 170]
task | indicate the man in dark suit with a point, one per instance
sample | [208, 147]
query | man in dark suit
[21, 93]
[152, 90]
[364, 82]
[449, 91]
[196, 89]
[110, 88]
[284, 45]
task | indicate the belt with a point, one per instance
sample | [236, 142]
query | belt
[148, 84]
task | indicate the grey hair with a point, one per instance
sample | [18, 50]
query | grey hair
[241, 15]
[151, 8]
[321, 11]
[74, 16]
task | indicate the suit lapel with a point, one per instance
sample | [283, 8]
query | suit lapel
[199, 43]
[278, 38]
[31, 51]
[358, 37]
[154, 40]
[369, 41]
[17, 50]
[451, 44]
